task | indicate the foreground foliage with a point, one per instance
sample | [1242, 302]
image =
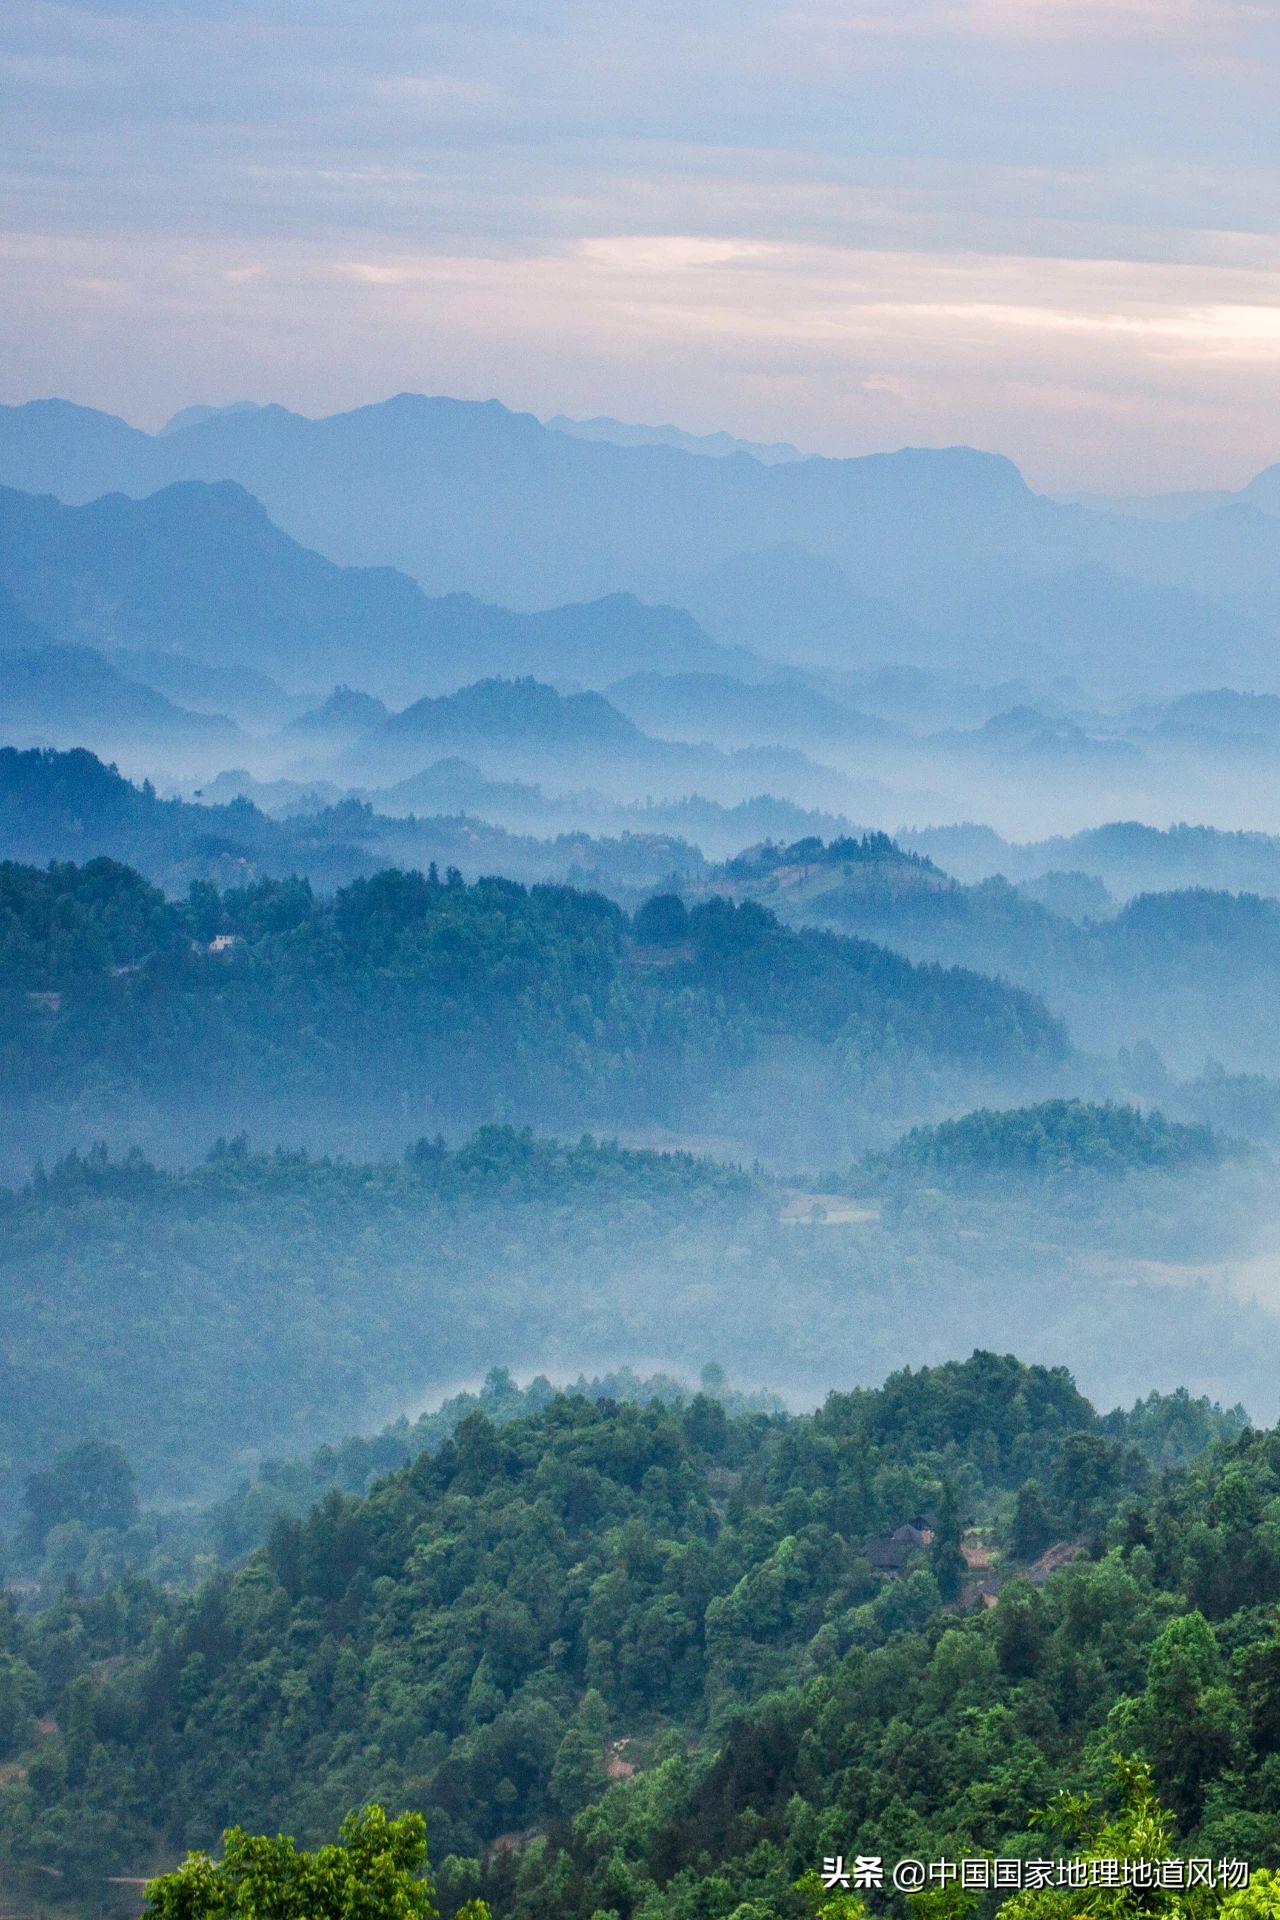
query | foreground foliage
[640, 1658]
[376, 1871]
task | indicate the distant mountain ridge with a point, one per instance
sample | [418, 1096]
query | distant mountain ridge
[792, 604]
[716, 446]
[1126, 855]
[196, 416]
[199, 568]
[1092, 619]
[241, 692]
[711, 706]
[526, 730]
[52, 694]
[71, 806]
[346, 713]
[397, 454]
[520, 710]
[470, 497]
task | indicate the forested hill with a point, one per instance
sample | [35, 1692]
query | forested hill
[1127, 856]
[406, 1001]
[1193, 973]
[259, 1304]
[71, 806]
[666, 1658]
[1055, 1138]
[262, 1303]
[811, 869]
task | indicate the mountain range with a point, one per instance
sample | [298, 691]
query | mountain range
[1126, 856]
[471, 497]
[712, 706]
[525, 729]
[625, 433]
[57, 806]
[61, 695]
[198, 572]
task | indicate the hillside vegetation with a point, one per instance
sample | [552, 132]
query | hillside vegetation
[407, 1002]
[260, 1304]
[1057, 1137]
[71, 806]
[651, 1645]
[1192, 972]
[268, 1302]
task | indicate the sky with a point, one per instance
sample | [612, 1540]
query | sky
[1050, 228]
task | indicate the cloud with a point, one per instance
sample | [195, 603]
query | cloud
[1047, 225]
[1160, 19]
[1067, 364]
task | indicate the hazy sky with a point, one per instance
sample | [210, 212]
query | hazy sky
[1050, 227]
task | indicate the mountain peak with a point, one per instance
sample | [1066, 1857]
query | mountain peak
[716, 446]
[347, 710]
[516, 709]
[1263, 491]
[188, 417]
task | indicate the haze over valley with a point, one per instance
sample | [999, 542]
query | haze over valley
[861, 830]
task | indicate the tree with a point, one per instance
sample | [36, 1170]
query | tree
[1260, 1671]
[945, 1555]
[1090, 1469]
[376, 1871]
[578, 1774]
[92, 1483]
[1020, 1631]
[662, 921]
[1141, 1830]
[1188, 1716]
[19, 1692]
[1032, 1522]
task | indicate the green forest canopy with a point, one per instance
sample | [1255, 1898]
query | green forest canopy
[410, 1002]
[694, 1596]
[1056, 1137]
